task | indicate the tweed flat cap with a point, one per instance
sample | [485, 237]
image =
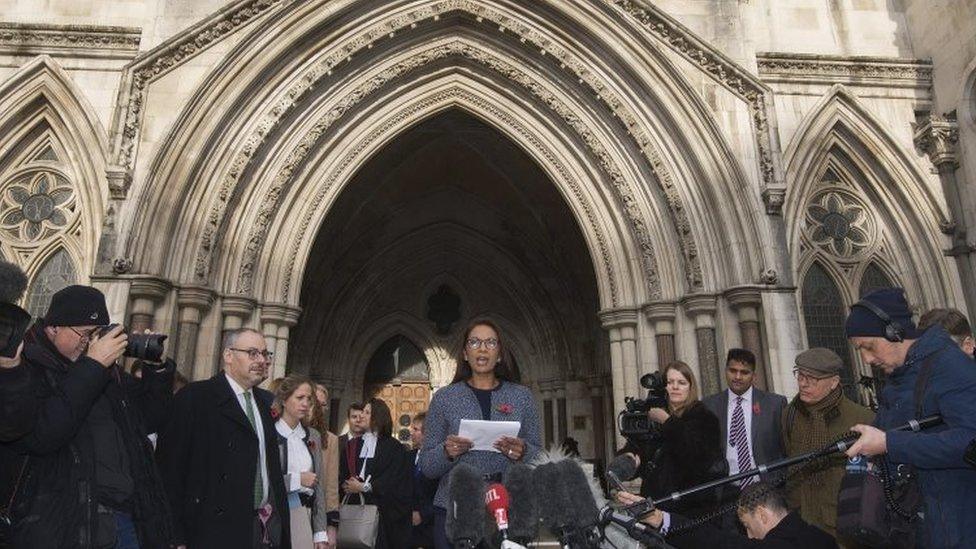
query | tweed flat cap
[819, 362]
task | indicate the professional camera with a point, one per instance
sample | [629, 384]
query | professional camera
[148, 347]
[633, 422]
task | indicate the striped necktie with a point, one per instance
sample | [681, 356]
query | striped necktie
[740, 441]
[258, 482]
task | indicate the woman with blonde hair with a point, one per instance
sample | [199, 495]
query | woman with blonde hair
[688, 450]
[299, 448]
[330, 458]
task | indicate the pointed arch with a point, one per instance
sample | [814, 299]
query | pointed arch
[55, 272]
[49, 124]
[841, 134]
[824, 309]
[873, 278]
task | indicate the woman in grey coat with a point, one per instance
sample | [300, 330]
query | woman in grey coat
[301, 461]
[483, 389]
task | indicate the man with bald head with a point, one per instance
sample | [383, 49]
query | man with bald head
[219, 455]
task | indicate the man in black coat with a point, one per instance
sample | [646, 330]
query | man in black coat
[89, 479]
[219, 455]
[18, 407]
[762, 510]
[424, 489]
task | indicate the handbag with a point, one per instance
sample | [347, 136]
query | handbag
[359, 524]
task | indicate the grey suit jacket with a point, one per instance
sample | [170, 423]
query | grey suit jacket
[319, 518]
[767, 440]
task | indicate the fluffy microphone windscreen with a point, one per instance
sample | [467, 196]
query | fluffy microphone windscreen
[552, 499]
[466, 506]
[623, 466]
[13, 282]
[583, 509]
[523, 515]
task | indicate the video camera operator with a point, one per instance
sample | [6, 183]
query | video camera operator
[688, 447]
[88, 478]
[17, 407]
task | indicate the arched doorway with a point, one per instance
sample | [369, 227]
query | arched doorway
[398, 373]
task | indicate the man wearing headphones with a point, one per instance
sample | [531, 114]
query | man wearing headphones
[925, 374]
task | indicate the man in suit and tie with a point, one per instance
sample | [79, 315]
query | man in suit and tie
[422, 516]
[750, 418]
[219, 455]
[351, 444]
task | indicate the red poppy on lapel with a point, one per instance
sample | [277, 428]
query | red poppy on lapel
[505, 408]
[311, 444]
[756, 409]
[275, 414]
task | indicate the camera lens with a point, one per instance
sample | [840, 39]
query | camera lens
[147, 347]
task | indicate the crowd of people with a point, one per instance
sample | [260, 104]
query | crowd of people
[94, 456]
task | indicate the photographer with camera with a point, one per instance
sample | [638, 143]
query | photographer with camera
[687, 450]
[89, 479]
[17, 407]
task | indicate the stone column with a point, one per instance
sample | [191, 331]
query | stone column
[276, 322]
[548, 425]
[562, 427]
[702, 308]
[747, 302]
[193, 303]
[595, 386]
[661, 315]
[937, 136]
[235, 310]
[621, 324]
[145, 294]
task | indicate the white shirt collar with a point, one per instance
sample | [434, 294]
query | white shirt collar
[238, 390]
[746, 396]
[287, 432]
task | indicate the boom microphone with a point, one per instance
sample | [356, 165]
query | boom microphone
[523, 515]
[465, 513]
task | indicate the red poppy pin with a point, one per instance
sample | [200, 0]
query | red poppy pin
[311, 444]
[756, 409]
[505, 409]
[275, 414]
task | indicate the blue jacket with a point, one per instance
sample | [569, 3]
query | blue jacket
[948, 485]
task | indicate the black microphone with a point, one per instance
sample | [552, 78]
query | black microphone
[465, 507]
[623, 467]
[523, 515]
[13, 319]
[566, 504]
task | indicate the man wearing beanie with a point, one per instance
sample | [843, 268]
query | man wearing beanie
[930, 364]
[818, 415]
[89, 478]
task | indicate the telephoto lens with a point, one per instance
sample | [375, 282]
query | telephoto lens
[148, 347]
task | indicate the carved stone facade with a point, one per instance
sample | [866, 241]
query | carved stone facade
[320, 170]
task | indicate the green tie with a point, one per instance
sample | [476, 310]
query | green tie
[258, 484]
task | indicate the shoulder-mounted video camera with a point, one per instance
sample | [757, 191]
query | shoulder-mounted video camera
[633, 422]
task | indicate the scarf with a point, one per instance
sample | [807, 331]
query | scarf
[808, 431]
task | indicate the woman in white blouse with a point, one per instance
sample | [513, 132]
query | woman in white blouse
[301, 460]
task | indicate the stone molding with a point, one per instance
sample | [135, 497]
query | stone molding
[720, 68]
[149, 287]
[661, 311]
[937, 137]
[699, 304]
[852, 70]
[282, 314]
[618, 318]
[69, 40]
[744, 296]
[238, 306]
[198, 297]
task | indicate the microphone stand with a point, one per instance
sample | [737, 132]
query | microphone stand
[646, 506]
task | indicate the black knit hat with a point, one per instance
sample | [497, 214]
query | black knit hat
[77, 306]
[863, 322]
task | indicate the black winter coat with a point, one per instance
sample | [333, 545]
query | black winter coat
[56, 506]
[790, 533]
[392, 488]
[690, 453]
[18, 408]
[208, 455]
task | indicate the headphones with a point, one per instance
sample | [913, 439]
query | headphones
[893, 331]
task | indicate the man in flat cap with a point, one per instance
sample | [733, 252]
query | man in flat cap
[89, 479]
[926, 374]
[818, 415]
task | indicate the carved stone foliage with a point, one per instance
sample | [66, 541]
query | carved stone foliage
[76, 40]
[838, 222]
[937, 136]
[36, 204]
[845, 69]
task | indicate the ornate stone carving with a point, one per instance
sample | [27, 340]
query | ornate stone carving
[937, 136]
[769, 277]
[76, 40]
[119, 180]
[839, 223]
[121, 265]
[774, 198]
[725, 71]
[618, 318]
[37, 204]
[845, 69]
[158, 62]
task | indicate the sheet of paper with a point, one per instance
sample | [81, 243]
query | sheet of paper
[485, 433]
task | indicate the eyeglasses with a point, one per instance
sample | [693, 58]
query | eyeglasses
[254, 354]
[86, 335]
[802, 377]
[475, 343]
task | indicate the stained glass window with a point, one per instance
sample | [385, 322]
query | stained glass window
[824, 314]
[58, 271]
[873, 279]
